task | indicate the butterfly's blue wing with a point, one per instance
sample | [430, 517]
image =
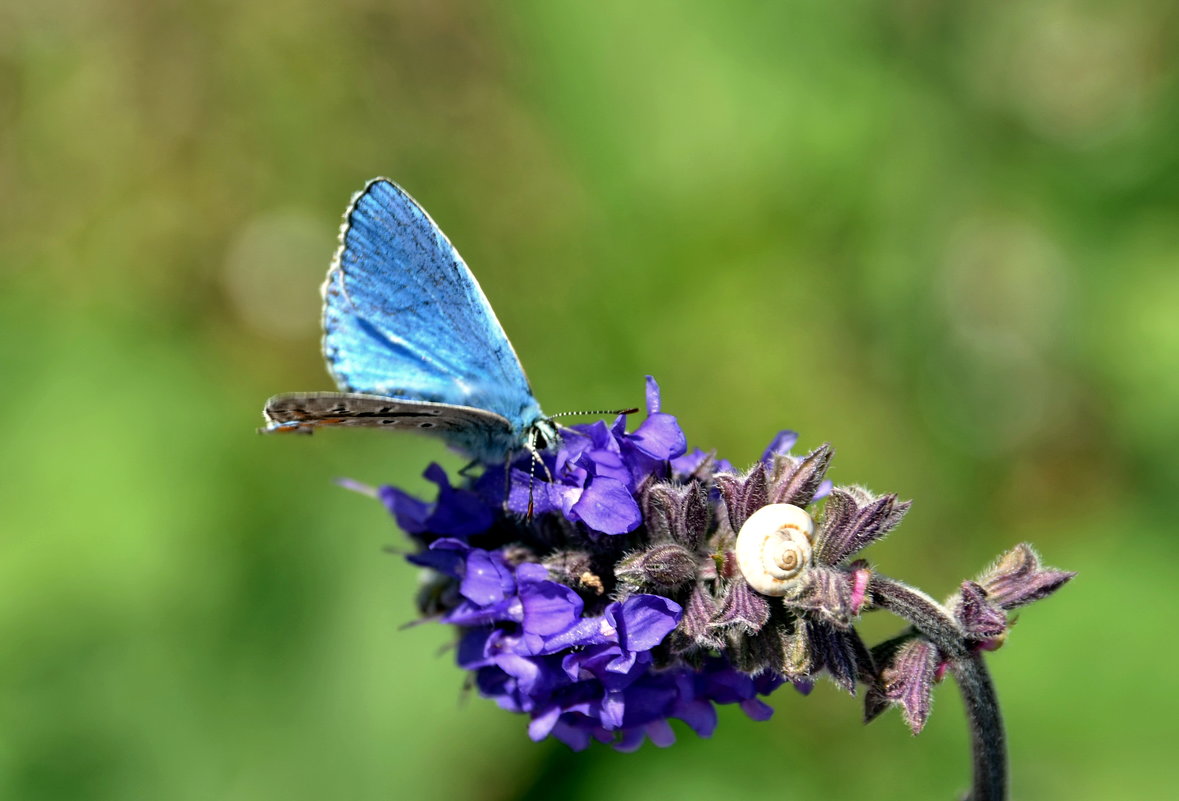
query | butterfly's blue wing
[404, 318]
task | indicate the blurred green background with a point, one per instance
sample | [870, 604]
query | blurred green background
[942, 236]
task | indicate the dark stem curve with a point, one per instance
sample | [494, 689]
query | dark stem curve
[934, 622]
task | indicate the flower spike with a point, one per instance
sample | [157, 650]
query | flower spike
[649, 583]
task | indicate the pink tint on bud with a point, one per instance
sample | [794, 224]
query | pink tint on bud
[859, 589]
[940, 672]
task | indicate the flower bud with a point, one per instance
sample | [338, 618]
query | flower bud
[663, 566]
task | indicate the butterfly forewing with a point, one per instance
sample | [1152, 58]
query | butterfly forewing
[411, 340]
[404, 316]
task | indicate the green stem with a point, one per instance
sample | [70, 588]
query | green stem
[935, 623]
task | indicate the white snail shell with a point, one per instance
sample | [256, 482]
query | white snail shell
[774, 547]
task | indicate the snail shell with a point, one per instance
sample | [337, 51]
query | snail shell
[774, 547]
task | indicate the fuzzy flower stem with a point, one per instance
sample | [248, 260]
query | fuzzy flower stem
[986, 728]
[933, 621]
[922, 612]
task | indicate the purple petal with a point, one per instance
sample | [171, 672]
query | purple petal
[690, 462]
[782, 442]
[409, 512]
[586, 631]
[629, 742]
[660, 437]
[757, 709]
[650, 697]
[623, 663]
[566, 497]
[578, 739]
[526, 489]
[613, 707]
[660, 733]
[606, 662]
[600, 436]
[571, 664]
[542, 725]
[472, 614]
[529, 572]
[472, 649]
[458, 512]
[700, 716]
[652, 395]
[729, 686]
[603, 462]
[445, 555]
[549, 608]
[607, 506]
[766, 683]
[644, 620]
[525, 671]
[573, 443]
[487, 580]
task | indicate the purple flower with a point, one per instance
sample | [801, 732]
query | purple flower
[602, 596]
[457, 512]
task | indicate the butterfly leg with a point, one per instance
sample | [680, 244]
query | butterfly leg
[508, 484]
[536, 460]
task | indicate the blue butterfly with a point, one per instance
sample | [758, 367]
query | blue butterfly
[412, 342]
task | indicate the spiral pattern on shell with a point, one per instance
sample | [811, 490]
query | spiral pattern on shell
[774, 547]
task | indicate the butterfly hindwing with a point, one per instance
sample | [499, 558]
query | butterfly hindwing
[405, 318]
[463, 426]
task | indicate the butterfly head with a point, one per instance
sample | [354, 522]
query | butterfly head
[543, 434]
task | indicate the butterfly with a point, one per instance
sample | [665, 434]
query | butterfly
[412, 342]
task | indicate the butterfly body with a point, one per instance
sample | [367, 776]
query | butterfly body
[412, 341]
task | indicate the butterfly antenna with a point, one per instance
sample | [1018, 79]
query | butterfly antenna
[531, 478]
[594, 411]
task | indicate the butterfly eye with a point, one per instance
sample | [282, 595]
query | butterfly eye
[543, 434]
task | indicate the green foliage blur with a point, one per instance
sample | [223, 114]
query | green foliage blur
[941, 236]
